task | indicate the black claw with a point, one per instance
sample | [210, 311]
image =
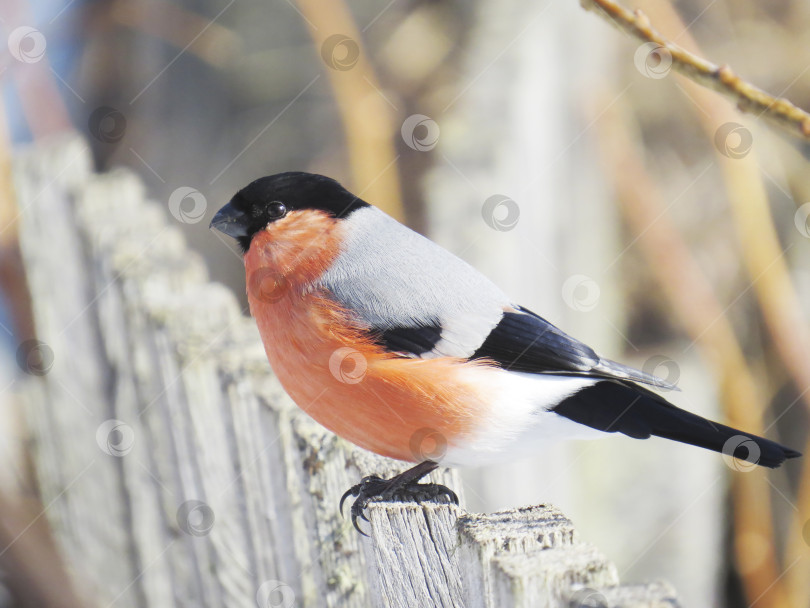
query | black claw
[357, 512]
[401, 488]
[357, 527]
[354, 491]
[445, 491]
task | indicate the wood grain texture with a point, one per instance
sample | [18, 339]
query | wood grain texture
[177, 472]
[516, 531]
[422, 541]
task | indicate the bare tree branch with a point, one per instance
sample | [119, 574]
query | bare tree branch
[722, 79]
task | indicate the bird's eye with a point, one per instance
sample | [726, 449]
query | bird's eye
[276, 210]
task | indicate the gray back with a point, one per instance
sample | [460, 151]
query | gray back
[393, 277]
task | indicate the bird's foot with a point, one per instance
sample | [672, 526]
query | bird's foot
[404, 487]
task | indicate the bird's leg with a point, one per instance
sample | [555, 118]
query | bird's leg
[401, 488]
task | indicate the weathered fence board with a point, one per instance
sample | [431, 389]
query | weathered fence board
[177, 472]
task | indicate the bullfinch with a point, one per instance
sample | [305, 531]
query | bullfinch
[395, 344]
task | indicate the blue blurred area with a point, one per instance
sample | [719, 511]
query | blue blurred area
[59, 22]
[17, 127]
[8, 340]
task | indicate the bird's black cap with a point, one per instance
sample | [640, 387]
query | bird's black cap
[270, 198]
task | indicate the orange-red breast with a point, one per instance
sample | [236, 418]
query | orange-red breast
[397, 345]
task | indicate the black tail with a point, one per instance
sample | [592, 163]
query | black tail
[615, 407]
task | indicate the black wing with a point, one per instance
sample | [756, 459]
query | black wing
[522, 341]
[525, 342]
[415, 340]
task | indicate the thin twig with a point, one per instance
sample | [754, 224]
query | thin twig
[722, 79]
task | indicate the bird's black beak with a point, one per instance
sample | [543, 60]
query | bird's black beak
[231, 221]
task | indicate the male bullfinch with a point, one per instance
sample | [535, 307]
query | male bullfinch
[388, 340]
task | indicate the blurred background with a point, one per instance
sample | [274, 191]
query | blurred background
[567, 161]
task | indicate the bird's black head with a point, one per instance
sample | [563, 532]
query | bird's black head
[269, 199]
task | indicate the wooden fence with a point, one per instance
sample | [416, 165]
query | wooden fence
[176, 472]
